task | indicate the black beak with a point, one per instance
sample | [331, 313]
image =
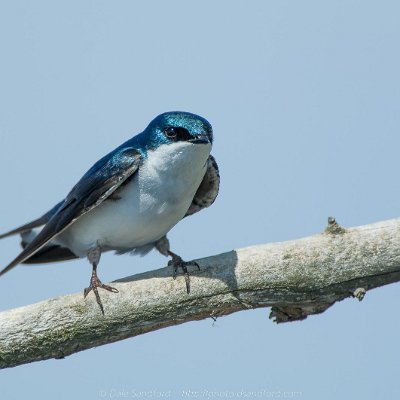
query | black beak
[201, 138]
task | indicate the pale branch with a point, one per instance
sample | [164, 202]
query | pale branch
[297, 278]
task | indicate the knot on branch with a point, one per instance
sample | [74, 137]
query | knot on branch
[359, 293]
[333, 227]
[289, 313]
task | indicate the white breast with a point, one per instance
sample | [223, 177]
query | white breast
[149, 206]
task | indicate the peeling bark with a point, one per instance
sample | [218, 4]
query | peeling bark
[296, 278]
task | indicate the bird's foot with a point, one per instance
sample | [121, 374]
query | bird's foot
[177, 263]
[95, 283]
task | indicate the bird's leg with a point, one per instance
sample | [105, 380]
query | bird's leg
[176, 262]
[93, 256]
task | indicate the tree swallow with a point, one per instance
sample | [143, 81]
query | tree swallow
[130, 199]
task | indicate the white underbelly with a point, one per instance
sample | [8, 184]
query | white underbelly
[148, 206]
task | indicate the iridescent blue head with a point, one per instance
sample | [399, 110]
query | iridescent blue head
[176, 126]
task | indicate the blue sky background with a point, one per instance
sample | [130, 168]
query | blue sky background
[304, 98]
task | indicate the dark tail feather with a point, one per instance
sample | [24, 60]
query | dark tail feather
[50, 253]
[27, 227]
[14, 263]
[37, 252]
[40, 240]
[34, 224]
[29, 251]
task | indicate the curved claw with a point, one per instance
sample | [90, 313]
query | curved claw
[178, 263]
[94, 284]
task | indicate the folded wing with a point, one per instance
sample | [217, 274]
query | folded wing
[100, 182]
[208, 189]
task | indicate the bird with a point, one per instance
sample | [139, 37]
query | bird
[129, 200]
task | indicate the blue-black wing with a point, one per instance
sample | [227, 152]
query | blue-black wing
[33, 224]
[207, 192]
[100, 182]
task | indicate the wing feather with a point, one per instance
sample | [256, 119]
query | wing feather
[33, 224]
[103, 179]
[207, 192]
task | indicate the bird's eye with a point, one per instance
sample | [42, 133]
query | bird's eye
[170, 132]
[177, 133]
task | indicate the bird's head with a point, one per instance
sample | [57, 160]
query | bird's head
[178, 126]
